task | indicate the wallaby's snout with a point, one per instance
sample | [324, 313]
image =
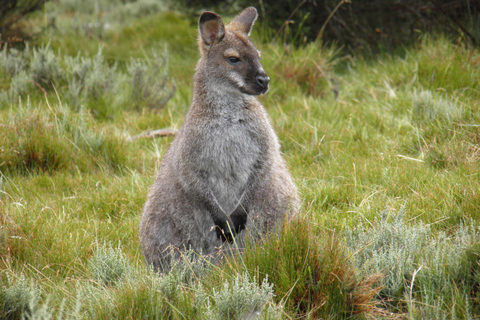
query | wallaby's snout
[262, 81]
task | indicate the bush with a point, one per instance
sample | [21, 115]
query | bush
[361, 25]
[243, 299]
[18, 299]
[417, 265]
[149, 81]
[13, 11]
[109, 265]
[93, 82]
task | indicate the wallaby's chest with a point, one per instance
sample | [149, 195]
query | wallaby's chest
[228, 155]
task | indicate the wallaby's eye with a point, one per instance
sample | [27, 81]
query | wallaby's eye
[233, 60]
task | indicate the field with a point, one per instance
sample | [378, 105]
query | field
[385, 152]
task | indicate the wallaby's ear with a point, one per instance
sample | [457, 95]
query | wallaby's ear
[244, 21]
[211, 28]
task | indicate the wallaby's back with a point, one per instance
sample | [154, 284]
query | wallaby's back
[223, 172]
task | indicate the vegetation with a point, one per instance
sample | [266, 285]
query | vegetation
[12, 12]
[385, 152]
[361, 26]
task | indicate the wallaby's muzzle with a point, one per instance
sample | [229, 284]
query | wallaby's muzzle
[260, 85]
[262, 81]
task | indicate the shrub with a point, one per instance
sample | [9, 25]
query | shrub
[242, 299]
[392, 248]
[418, 265]
[362, 25]
[45, 66]
[18, 299]
[149, 81]
[109, 265]
[93, 82]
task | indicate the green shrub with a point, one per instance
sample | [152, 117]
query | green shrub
[18, 299]
[149, 81]
[242, 299]
[109, 265]
[92, 82]
[45, 66]
[418, 265]
[12, 61]
[392, 248]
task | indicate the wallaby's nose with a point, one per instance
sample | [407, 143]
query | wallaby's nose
[263, 81]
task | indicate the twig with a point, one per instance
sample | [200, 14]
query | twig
[411, 287]
[409, 158]
[40, 87]
[320, 33]
[454, 21]
[290, 17]
[155, 133]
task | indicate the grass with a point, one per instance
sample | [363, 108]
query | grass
[385, 154]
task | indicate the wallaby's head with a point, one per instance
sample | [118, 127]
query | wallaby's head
[229, 60]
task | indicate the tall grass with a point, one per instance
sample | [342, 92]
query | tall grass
[385, 154]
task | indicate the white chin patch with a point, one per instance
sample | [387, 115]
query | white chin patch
[237, 79]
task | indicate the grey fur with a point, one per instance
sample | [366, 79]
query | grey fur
[223, 172]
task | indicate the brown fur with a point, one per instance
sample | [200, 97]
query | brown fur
[223, 173]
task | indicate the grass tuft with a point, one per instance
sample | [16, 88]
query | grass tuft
[312, 273]
[52, 140]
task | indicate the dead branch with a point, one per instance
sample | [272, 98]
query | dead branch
[165, 132]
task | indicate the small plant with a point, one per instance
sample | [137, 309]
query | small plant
[429, 107]
[392, 248]
[108, 265]
[242, 299]
[18, 299]
[149, 82]
[45, 66]
[12, 61]
[92, 79]
[92, 82]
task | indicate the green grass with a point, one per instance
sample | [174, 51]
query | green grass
[387, 171]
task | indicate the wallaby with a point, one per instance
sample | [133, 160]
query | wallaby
[223, 173]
